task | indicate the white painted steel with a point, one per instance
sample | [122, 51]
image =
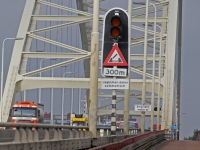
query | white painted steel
[62, 102]
[60, 26]
[57, 43]
[159, 80]
[170, 61]
[47, 82]
[144, 69]
[2, 71]
[153, 71]
[52, 100]
[71, 106]
[156, 4]
[23, 81]
[121, 112]
[55, 66]
[64, 8]
[127, 92]
[8, 95]
[94, 71]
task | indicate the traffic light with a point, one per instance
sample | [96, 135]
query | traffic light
[116, 30]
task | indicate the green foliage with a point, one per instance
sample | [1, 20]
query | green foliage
[193, 137]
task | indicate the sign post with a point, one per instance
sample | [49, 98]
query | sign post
[115, 55]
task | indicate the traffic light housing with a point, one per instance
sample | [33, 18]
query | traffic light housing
[116, 30]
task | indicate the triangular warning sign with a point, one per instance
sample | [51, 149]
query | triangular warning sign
[115, 58]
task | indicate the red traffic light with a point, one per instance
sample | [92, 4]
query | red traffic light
[115, 32]
[115, 21]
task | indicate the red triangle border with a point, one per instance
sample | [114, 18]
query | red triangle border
[107, 63]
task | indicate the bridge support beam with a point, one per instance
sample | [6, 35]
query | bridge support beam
[94, 72]
[127, 92]
[170, 72]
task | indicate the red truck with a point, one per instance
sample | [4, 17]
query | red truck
[27, 112]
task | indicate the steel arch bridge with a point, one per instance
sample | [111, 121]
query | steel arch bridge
[33, 28]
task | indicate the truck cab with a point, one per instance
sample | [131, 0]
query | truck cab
[27, 112]
[79, 120]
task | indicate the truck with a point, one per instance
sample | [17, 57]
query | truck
[79, 119]
[27, 112]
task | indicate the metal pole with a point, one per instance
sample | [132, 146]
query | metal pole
[2, 64]
[144, 69]
[52, 101]
[159, 79]
[71, 109]
[39, 101]
[99, 116]
[62, 107]
[2, 70]
[24, 95]
[179, 63]
[62, 102]
[79, 101]
[94, 71]
[51, 120]
[153, 71]
[127, 92]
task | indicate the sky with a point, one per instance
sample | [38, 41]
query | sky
[10, 15]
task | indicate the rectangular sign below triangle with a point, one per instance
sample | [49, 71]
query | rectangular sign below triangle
[115, 58]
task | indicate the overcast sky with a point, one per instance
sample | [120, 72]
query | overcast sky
[10, 15]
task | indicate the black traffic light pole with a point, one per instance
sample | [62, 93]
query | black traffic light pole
[113, 113]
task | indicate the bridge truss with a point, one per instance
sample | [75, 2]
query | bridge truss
[33, 28]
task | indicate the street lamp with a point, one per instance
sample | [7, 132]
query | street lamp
[81, 109]
[62, 103]
[99, 106]
[39, 101]
[159, 80]
[144, 69]
[2, 66]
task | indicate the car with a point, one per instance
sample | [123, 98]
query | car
[132, 125]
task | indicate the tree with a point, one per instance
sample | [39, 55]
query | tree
[193, 137]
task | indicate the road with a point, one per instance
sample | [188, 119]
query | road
[180, 145]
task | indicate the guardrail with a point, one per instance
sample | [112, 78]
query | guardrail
[140, 142]
[54, 137]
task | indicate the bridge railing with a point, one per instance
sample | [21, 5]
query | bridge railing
[42, 135]
[142, 141]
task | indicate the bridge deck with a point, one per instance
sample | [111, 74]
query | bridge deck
[180, 145]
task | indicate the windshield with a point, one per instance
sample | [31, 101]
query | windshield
[78, 124]
[19, 112]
